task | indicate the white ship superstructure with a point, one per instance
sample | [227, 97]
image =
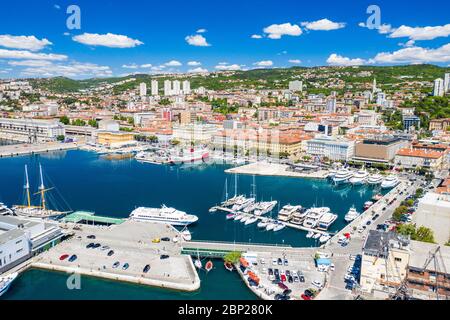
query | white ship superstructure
[375, 179]
[390, 182]
[163, 215]
[359, 177]
[287, 212]
[342, 176]
[313, 216]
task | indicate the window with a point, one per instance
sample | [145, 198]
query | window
[398, 259]
[20, 250]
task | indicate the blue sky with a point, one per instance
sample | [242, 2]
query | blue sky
[120, 37]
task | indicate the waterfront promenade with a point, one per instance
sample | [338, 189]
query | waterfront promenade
[16, 150]
[132, 243]
[275, 169]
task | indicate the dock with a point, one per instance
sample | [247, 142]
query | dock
[132, 243]
[277, 170]
[17, 150]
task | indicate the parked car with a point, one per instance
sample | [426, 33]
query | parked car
[91, 237]
[104, 248]
[280, 262]
[110, 253]
[125, 266]
[286, 262]
[165, 239]
[317, 284]
[63, 257]
[156, 240]
[270, 270]
[305, 297]
[90, 245]
[290, 279]
[281, 285]
[283, 277]
[96, 246]
[146, 269]
[164, 256]
[116, 264]
[274, 262]
[73, 258]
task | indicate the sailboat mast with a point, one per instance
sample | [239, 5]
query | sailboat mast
[235, 184]
[42, 188]
[226, 189]
[27, 187]
[254, 187]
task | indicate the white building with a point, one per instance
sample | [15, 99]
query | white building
[330, 147]
[22, 238]
[381, 98]
[197, 133]
[438, 90]
[331, 105]
[296, 85]
[31, 130]
[367, 118]
[176, 90]
[167, 88]
[447, 82]
[143, 89]
[186, 87]
[155, 89]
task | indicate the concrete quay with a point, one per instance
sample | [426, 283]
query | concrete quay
[132, 244]
[275, 169]
[26, 149]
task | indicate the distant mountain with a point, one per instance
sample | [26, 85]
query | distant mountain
[276, 78]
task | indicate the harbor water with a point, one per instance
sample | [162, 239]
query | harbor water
[86, 181]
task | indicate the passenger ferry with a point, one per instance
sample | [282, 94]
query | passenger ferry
[191, 155]
[342, 176]
[163, 215]
[359, 178]
[390, 182]
[326, 221]
[313, 216]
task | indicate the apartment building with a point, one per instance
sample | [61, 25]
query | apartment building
[333, 148]
[31, 130]
[411, 158]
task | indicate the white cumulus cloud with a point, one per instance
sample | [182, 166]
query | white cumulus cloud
[30, 63]
[107, 40]
[256, 36]
[194, 63]
[223, 66]
[295, 61]
[23, 54]
[198, 70]
[197, 40]
[338, 60]
[421, 33]
[415, 55]
[264, 63]
[173, 63]
[72, 70]
[201, 30]
[276, 31]
[323, 25]
[23, 42]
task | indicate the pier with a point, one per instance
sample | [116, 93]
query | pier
[16, 150]
[276, 170]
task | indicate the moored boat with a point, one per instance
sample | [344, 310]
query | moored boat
[209, 266]
[228, 266]
[5, 282]
[351, 215]
[251, 220]
[279, 227]
[310, 234]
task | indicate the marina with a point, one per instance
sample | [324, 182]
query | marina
[210, 227]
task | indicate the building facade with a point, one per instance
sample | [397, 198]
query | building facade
[30, 130]
[330, 147]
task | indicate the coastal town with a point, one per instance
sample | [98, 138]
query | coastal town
[360, 132]
[224, 160]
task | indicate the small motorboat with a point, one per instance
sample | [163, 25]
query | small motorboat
[186, 235]
[209, 266]
[317, 236]
[251, 220]
[324, 238]
[310, 235]
[198, 264]
[231, 216]
[271, 226]
[228, 266]
[245, 218]
[238, 217]
[367, 205]
[263, 224]
[279, 227]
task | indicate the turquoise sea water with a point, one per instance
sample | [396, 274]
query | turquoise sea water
[86, 181]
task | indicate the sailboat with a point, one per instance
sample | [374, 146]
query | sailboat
[198, 263]
[41, 211]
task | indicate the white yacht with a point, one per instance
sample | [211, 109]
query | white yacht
[324, 238]
[243, 203]
[4, 210]
[359, 177]
[375, 179]
[5, 282]
[163, 215]
[390, 182]
[342, 176]
[279, 227]
[326, 221]
[351, 215]
[186, 235]
[265, 207]
[271, 226]
[299, 216]
[310, 234]
[313, 216]
[263, 223]
[238, 217]
[192, 155]
[287, 213]
[251, 220]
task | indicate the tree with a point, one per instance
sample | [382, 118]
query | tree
[174, 142]
[93, 123]
[406, 230]
[424, 234]
[399, 212]
[164, 102]
[232, 257]
[64, 120]
[61, 138]
[284, 155]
